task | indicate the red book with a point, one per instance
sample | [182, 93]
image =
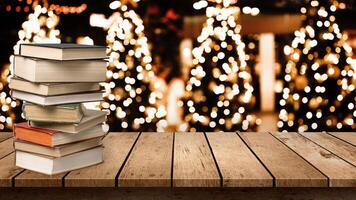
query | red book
[52, 138]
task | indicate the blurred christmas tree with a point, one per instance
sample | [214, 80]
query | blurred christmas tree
[131, 97]
[219, 92]
[164, 26]
[39, 28]
[320, 80]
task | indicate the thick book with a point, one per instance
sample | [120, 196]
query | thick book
[50, 165]
[64, 113]
[52, 138]
[90, 119]
[50, 71]
[59, 99]
[51, 89]
[59, 151]
[65, 51]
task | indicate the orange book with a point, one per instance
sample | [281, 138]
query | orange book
[48, 137]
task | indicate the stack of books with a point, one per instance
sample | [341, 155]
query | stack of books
[54, 80]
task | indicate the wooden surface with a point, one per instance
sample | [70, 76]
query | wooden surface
[288, 169]
[116, 149]
[149, 164]
[204, 160]
[346, 136]
[6, 147]
[4, 136]
[340, 148]
[339, 172]
[194, 164]
[238, 166]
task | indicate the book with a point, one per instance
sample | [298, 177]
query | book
[37, 70]
[57, 100]
[50, 165]
[51, 138]
[58, 151]
[51, 89]
[90, 119]
[66, 51]
[64, 113]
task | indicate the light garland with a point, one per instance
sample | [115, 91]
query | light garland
[131, 93]
[219, 92]
[320, 80]
[39, 28]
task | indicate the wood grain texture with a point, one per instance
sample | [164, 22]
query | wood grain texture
[346, 136]
[8, 170]
[34, 179]
[6, 147]
[5, 136]
[194, 164]
[149, 164]
[238, 166]
[338, 147]
[340, 173]
[116, 148]
[288, 169]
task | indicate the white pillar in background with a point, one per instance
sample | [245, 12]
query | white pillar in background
[267, 72]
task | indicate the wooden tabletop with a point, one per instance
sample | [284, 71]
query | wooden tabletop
[203, 160]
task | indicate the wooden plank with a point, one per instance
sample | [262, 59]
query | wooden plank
[116, 148]
[346, 136]
[238, 166]
[5, 136]
[149, 164]
[338, 147]
[33, 179]
[8, 170]
[194, 164]
[288, 169]
[340, 173]
[6, 147]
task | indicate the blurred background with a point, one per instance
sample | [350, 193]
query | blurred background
[219, 65]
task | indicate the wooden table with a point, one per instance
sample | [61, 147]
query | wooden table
[220, 164]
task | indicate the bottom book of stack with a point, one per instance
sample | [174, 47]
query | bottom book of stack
[51, 152]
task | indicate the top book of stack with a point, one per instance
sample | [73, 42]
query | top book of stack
[63, 51]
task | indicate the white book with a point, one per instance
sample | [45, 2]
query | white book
[50, 165]
[51, 89]
[59, 99]
[50, 71]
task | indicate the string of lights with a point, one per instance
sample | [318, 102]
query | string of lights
[219, 93]
[131, 91]
[58, 9]
[319, 94]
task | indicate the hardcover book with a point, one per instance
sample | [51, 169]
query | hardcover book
[58, 151]
[51, 89]
[90, 119]
[52, 138]
[37, 70]
[57, 100]
[51, 165]
[65, 113]
[65, 51]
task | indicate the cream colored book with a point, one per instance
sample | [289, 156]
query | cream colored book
[58, 151]
[64, 51]
[51, 89]
[59, 99]
[90, 119]
[51, 71]
[50, 165]
[65, 113]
